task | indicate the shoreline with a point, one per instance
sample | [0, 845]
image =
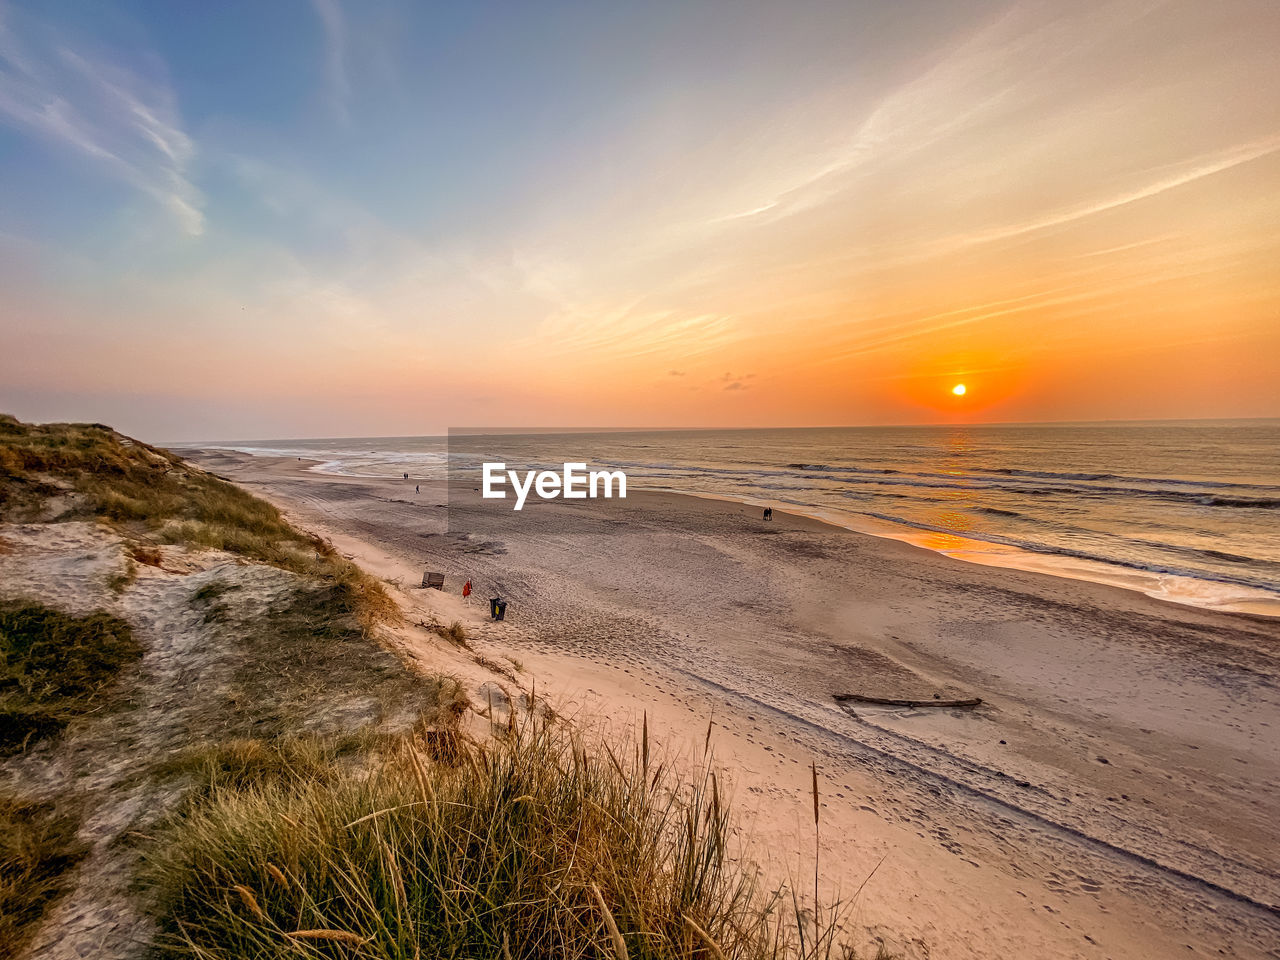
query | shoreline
[1125, 817]
[1159, 585]
[1170, 586]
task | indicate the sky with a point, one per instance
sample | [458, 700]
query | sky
[288, 218]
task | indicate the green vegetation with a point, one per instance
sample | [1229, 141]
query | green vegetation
[38, 847]
[54, 668]
[140, 488]
[302, 656]
[536, 845]
[245, 763]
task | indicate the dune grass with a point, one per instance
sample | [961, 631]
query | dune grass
[149, 492]
[54, 668]
[538, 844]
[303, 659]
[38, 848]
[243, 763]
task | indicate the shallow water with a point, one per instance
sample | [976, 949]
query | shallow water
[1189, 511]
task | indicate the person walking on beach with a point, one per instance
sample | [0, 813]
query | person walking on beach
[466, 590]
[417, 488]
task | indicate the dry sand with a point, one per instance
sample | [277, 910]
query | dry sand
[1115, 796]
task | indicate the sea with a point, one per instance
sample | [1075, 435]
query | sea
[1188, 511]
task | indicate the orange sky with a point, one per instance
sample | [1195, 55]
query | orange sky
[1075, 211]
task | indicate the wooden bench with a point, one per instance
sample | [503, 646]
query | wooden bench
[433, 581]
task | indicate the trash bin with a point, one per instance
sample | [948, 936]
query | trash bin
[497, 608]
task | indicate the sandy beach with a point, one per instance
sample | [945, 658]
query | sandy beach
[1113, 796]
[936, 344]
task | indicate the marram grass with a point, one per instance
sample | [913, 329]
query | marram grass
[538, 844]
[39, 849]
[55, 667]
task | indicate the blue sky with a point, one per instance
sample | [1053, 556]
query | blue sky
[318, 218]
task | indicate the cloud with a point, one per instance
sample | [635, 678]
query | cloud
[910, 117]
[630, 330]
[971, 86]
[1190, 171]
[335, 56]
[127, 127]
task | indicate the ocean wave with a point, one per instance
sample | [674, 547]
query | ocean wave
[997, 512]
[1045, 549]
[1082, 482]
[823, 468]
[1227, 557]
[1123, 478]
[1250, 503]
[1011, 485]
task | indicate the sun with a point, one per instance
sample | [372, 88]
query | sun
[958, 390]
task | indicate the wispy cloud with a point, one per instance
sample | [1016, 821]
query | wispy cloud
[1192, 170]
[922, 328]
[944, 97]
[335, 56]
[126, 126]
[973, 82]
[631, 331]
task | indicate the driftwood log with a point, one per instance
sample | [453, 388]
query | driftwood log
[891, 702]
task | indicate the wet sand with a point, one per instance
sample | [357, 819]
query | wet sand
[1114, 796]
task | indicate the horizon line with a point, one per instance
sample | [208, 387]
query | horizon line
[552, 431]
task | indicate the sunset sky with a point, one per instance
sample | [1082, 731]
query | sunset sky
[330, 218]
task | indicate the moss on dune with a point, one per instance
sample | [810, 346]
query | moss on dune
[54, 668]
